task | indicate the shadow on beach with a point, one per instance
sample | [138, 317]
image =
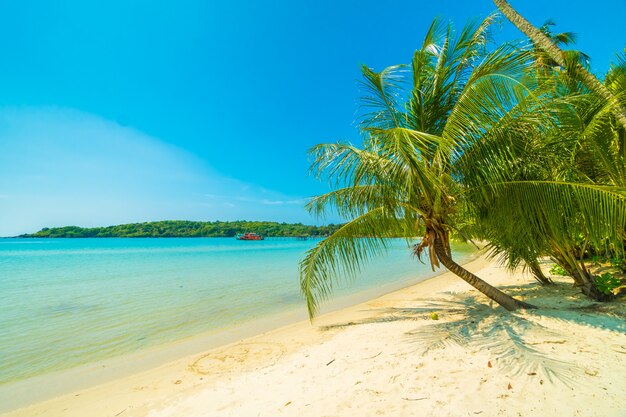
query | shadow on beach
[521, 341]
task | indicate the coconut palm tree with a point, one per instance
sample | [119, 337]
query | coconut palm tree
[538, 157]
[546, 44]
[543, 61]
[444, 138]
[407, 179]
[584, 148]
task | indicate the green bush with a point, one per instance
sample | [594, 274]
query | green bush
[618, 263]
[598, 260]
[606, 282]
[557, 270]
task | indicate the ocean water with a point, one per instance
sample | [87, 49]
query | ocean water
[68, 302]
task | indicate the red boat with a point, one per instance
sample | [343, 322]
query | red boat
[249, 236]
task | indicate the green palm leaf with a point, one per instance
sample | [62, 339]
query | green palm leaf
[342, 255]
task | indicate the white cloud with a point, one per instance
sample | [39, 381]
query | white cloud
[299, 201]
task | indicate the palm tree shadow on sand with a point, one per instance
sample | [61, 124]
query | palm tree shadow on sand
[520, 342]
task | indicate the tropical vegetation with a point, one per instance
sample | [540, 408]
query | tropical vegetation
[583, 147]
[508, 143]
[180, 228]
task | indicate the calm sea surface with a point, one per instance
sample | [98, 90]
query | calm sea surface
[67, 302]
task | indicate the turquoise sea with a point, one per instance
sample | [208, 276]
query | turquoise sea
[68, 302]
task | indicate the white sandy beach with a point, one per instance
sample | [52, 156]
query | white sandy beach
[388, 357]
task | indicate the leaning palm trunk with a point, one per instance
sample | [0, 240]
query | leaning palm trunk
[506, 301]
[556, 54]
[538, 274]
[465, 110]
[580, 274]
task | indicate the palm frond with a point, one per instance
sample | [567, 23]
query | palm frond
[537, 211]
[343, 254]
[344, 164]
[353, 201]
[492, 90]
[380, 99]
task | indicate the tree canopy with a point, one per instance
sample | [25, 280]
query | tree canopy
[505, 143]
[182, 228]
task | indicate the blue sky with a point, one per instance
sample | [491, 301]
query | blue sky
[127, 111]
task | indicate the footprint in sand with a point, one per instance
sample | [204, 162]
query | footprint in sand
[242, 357]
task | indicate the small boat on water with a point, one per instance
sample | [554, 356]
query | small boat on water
[249, 236]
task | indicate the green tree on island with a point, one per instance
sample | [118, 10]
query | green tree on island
[184, 228]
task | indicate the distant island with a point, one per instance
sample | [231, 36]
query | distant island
[182, 228]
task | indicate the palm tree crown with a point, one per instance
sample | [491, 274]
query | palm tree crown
[430, 131]
[447, 142]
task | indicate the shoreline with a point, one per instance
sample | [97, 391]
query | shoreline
[41, 388]
[369, 359]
